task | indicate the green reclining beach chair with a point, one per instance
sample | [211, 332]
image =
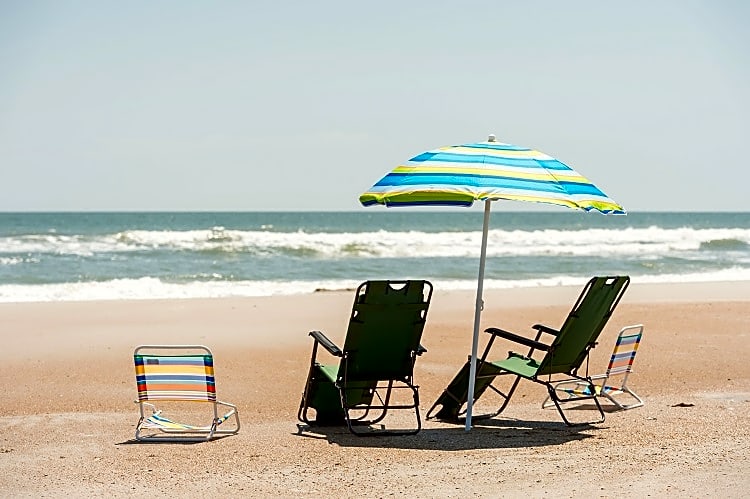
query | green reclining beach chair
[545, 362]
[381, 346]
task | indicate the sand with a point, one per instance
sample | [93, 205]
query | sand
[68, 418]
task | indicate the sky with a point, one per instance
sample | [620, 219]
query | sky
[179, 105]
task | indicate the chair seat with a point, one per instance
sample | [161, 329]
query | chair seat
[518, 365]
[329, 371]
[158, 422]
[583, 389]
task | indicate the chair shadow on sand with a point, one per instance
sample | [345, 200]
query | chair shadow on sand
[609, 409]
[133, 441]
[487, 434]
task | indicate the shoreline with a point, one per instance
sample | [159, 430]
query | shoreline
[644, 291]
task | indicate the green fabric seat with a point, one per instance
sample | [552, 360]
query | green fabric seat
[523, 367]
[545, 361]
[381, 346]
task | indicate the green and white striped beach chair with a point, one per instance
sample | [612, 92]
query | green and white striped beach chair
[174, 375]
[614, 382]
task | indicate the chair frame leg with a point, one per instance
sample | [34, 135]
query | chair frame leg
[303, 404]
[186, 435]
[353, 423]
[552, 394]
[503, 395]
[383, 404]
[598, 389]
[625, 407]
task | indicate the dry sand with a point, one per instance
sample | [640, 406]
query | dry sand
[68, 417]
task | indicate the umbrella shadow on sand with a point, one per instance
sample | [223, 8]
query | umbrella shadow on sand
[486, 434]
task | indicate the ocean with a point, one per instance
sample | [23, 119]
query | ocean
[113, 256]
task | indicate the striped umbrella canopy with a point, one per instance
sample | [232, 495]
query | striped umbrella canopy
[459, 175]
[486, 171]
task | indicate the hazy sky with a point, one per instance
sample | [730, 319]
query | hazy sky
[244, 105]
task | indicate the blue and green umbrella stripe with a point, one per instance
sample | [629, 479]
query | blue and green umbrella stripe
[459, 175]
[485, 181]
[453, 158]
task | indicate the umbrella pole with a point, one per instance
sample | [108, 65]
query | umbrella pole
[477, 316]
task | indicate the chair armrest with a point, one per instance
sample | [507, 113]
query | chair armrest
[545, 329]
[517, 338]
[421, 350]
[327, 344]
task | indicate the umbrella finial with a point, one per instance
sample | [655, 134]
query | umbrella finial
[491, 138]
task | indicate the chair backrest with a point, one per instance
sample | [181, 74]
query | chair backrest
[177, 374]
[625, 349]
[385, 329]
[583, 325]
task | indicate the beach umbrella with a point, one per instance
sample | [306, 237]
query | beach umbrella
[486, 171]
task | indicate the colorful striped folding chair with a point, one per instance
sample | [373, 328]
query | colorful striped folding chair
[173, 374]
[620, 366]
